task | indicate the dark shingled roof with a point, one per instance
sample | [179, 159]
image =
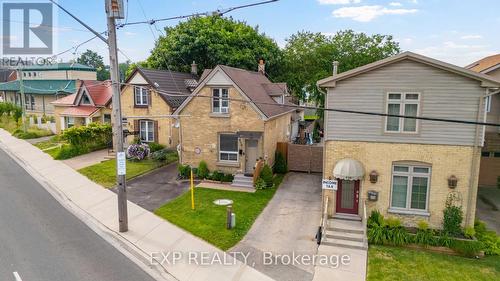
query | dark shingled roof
[258, 89]
[172, 84]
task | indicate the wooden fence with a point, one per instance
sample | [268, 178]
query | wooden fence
[302, 158]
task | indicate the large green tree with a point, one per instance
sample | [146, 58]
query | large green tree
[93, 59]
[211, 41]
[308, 57]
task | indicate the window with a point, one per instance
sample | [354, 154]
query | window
[228, 147]
[85, 99]
[487, 103]
[106, 118]
[141, 96]
[410, 187]
[402, 104]
[34, 74]
[220, 101]
[146, 130]
[485, 154]
[29, 102]
[70, 122]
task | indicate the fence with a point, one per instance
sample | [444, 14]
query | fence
[302, 158]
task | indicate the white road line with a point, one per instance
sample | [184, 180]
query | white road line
[16, 275]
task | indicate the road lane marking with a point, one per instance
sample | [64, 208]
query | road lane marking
[16, 275]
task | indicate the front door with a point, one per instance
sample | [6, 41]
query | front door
[347, 197]
[250, 155]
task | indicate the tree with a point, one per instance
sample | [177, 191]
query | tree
[123, 68]
[308, 57]
[93, 59]
[214, 40]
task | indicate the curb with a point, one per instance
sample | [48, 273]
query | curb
[123, 245]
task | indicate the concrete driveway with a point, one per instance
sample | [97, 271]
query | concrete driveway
[154, 189]
[488, 207]
[288, 224]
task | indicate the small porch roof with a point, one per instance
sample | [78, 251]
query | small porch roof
[349, 169]
[253, 135]
[79, 111]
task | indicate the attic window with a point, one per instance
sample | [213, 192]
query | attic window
[85, 99]
[220, 100]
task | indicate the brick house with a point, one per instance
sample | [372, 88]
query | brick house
[149, 99]
[91, 103]
[490, 156]
[233, 118]
[411, 165]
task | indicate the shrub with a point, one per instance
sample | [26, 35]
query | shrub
[216, 176]
[17, 113]
[184, 171]
[469, 232]
[423, 225]
[70, 151]
[489, 239]
[202, 172]
[452, 220]
[227, 178]
[94, 134]
[375, 218]
[164, 155]
[444, 240]
[260, 184]
[397, 235]
[377, 234]
[267, 175]
[280, 166]
[467, 248]
[137, 152]
[393, 222]
[153, 147]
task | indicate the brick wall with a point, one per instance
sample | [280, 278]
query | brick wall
[444, 160]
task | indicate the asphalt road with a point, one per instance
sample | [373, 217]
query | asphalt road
[42, 241]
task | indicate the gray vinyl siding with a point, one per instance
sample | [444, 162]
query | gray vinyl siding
[443, 95]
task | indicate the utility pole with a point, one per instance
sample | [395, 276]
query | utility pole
[114, 9]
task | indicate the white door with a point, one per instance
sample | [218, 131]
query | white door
[250, 155]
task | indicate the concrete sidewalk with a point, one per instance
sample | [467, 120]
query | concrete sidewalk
[85, 160]
[148, 234]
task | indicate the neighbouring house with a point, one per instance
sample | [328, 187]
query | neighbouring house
[489, 173]
[404, 167]
[148, 100]
[234, 118]
[91, 103]
[43, 84]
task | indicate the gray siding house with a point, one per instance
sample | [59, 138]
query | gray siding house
[407, 162]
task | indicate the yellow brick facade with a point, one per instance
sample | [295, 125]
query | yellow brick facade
[168, 135]
[444, 160]
[200, 129]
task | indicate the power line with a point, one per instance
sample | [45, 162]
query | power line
[218, 12]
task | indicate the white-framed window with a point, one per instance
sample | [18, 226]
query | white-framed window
[228, 147]
[487, 104]
[141, 96]
[410, 187]
[406, 104]
[146, 130]
[70, 122]
[220, 100]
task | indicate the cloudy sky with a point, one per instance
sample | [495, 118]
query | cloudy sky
[455, 31]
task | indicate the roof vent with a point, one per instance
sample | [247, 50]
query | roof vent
[156, 85]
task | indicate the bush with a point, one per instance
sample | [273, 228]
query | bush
[489, 238]
[377, 234]
[267, 175]
[202, 172]
[260, 184]
[184, 171]
[469, 232]
[467, 248]
[227, 178]
[452, 220]
[375, 218]
[94, 134]
[280, 166]
[216, 176]
[153, 147]
[164, 155]
[17, 113]
[70, 151]
[397, 235]
[137, 151]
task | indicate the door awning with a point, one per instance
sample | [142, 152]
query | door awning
[349, 169]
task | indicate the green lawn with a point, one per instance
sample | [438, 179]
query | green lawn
[9, 124]
[208, 221]
[393, 263]
[52, 142]
[104, 173]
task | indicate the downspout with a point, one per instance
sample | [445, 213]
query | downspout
[180, 139]
[474, 166]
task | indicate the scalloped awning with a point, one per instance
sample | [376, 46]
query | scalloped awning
[349, 169]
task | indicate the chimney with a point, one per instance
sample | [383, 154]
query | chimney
[335, 67]
[262, 67]
[194, 68]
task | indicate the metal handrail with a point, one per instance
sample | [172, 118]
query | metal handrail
[323, 224]
[364, 221]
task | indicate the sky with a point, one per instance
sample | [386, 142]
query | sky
[455, 31]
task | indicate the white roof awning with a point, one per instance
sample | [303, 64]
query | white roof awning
[348, 169]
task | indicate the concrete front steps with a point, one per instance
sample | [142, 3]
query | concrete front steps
[240, 180]
[345, 231]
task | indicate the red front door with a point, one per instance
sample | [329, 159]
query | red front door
[347, 197]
